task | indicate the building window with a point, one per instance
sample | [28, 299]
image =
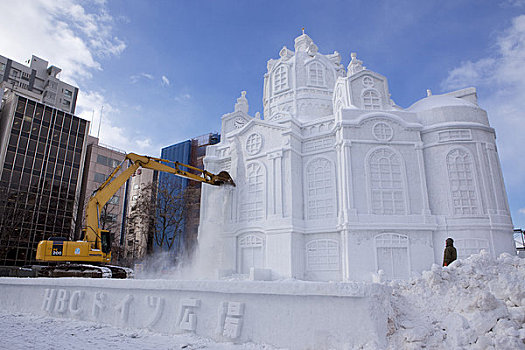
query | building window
[114, 199]
[322, 255]
[2, 67]
[371, 100]
[254, 143]
[252, 207]
[102, 159]
[251, 252]
[461, 180]
[469, 246]
[110, 162]
[14, 73]
[320, 191]
[316, 74]
[100, 177]
[109, 217]
[382, 131]
[455, 135]
[280, 79]
[387, 190]
[368, 82]
[68, 93]
[392, 255]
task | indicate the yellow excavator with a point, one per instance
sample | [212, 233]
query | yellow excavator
[75, 258]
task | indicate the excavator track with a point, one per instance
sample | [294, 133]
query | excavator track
[76, 270]
[120, 271]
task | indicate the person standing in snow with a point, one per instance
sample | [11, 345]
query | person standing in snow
[450, 252]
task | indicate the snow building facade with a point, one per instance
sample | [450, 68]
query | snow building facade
[336, 182]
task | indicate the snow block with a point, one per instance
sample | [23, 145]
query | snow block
[295, 315]
[260, 274]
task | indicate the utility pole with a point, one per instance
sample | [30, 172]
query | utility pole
[100, 121]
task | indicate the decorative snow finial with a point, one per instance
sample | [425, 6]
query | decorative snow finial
[355, 64]
[429, 92]
[242, 103]
[303, 42]
[258, 115]
[285, 53]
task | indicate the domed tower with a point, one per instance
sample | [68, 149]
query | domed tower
[465, 183]
[300, 84]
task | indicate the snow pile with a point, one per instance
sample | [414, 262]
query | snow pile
[476, 303]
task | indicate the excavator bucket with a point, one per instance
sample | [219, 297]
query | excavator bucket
[223, 178]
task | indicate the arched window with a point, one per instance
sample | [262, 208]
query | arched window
[462, 186]
[320, 189]
[371, 100]
[322, 255]
[387, 189]
[280, 79]
[252, 207]
[468, 246]
[392, 255]
[251, 252]
[316, 74]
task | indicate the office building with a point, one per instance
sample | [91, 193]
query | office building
[38, 82]
[142, 192]
[182, 238]
[100, 162]
[42, 152]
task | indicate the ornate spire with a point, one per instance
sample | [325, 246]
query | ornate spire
[355, 64]
[242, 103]
[305, 43]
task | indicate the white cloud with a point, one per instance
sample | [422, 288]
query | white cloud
[61, 32]
[521, 211]
[94, 107]
[90, 105]
[165, 81]
[77, 40]
[182, 97]
[500, 80]
[513, 3]
[135, 78]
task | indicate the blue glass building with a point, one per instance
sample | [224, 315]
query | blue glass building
[191, 152]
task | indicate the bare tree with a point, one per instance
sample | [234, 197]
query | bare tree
[160, 213]
[140, 222]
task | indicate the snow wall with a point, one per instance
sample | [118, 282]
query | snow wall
[296, 315]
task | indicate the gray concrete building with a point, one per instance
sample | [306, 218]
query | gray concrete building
[100, 162]
[39, 82]
[138, 230]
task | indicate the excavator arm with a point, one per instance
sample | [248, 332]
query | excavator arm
[109, 187]
[95, 246]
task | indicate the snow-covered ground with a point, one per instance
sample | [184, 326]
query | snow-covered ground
[477, 303]
[23, 331]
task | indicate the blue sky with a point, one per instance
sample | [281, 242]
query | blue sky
[166, 71]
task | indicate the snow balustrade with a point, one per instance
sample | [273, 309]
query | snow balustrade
[295, 314]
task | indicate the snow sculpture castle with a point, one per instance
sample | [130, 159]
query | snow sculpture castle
[337, 182]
